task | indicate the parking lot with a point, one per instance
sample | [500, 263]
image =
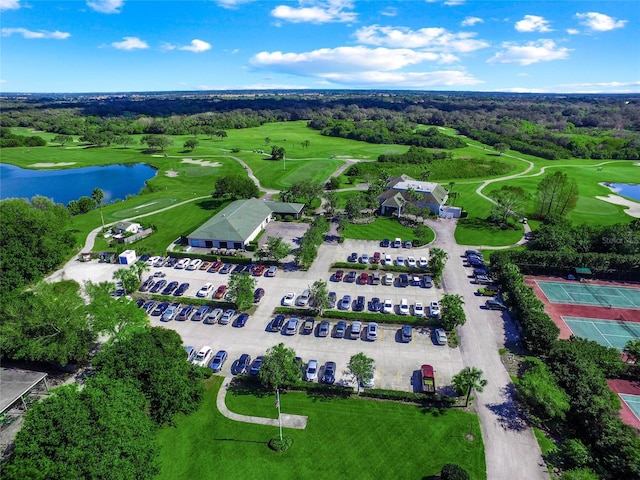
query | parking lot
[395, 361]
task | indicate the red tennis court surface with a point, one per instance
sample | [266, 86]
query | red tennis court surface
[556, 310]
[630, 388]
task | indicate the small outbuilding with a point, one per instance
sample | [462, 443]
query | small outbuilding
[128, 257]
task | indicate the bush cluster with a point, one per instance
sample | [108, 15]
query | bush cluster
[281, 445]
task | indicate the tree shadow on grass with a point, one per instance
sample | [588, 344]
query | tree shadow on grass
[510, 415]
[239, 387]
[329, 394]
[240, 440]
[210, 203]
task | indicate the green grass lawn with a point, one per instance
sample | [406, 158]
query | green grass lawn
[380, 228]
[354, 439]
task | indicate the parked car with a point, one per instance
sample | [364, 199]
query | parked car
[149, 306]
[215, 266]
[403, 280]
[205, 290]
[227, 316]
[375, 305]
[423, 262]
[181, 289]
[159, 309]
[214, 316]
[482, 280]
[364, 278]
[226, 268]
[203, 357]
[375, 278]
[408, 244]
[411, 262]
[332, 299]
[218, 360]
[356, 329]
[397, 243]
[205, 266]
[493, 304]
[340, 330]
[329, 375]
[418, 309]
[271, 271]
[182, 263]
[345, 303]
[238, 269]
[307, 326]
[434, 309]
[292, 326]
[352, 258]
[488, 291]
[170, 288]
[170, 313]
[303, 298]
[287, 300]
[387, 259]
[242, 319]
[441, 336]
[201, 313]
[377, 257]
[364, 258]
[194, 264]
[311, 373]
[372, 331]
[277, 323]
[191, 353]
[220, 291]
[323, 329]
[147, 284]
[337, 276]
[400, 261]
[159, 274]
[387, 306]
[416, 280]
[385, 243]
[254, 369]
[360, 304]
[242, 364]
[427, 281]
[403, 307]
[387, 279]
[258, 270]
[472, 252]
[476, 262]
[406, 333]
[350, 277]
[258, 294]
[185, 313]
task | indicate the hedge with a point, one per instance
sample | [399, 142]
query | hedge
[198, 302]
[435, 400]
[381, 318]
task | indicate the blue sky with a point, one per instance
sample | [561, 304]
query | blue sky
[135, 45]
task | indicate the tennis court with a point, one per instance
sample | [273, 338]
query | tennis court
[633, 402]
[610, 333]
[590, 294]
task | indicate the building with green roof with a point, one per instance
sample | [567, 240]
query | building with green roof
[239, 223]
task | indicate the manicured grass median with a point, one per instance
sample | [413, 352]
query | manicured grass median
[344, 438]
[380, 228]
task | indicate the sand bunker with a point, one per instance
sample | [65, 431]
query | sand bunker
[51, 165]
[171, 173]
[202, 163]
[633, 208]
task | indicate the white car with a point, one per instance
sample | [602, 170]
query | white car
[403, 307]
[400, 261]
[411, 262]
[441, 336]
[203, 357]
[152, 260]
[372, 331]
[434, 309]
[387, 260]
[418, 309]
[423, 262]
[205, 290]
[312, 371]
[184, 263]
[194, 264]
[387, 306]
[287, 300]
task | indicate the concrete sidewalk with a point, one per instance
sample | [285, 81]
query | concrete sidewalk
[288, 421]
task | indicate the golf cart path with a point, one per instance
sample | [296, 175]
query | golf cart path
[288, 421]
[511, 448]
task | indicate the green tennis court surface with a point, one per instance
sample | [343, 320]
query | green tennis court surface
[591, 294]
[633, 402]
[610, 333]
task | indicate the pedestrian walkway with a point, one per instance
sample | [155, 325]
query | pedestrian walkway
[288, 421]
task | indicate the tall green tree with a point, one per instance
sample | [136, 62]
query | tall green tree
[436, 263]
[320, 295]
[155, 362]
[191, 144]
[129, 279]
[279, 368]
[539, 389]
[556, 195]
[276, 248]
[98, 197]
[62, 139]
[101, 431]
[632, 349]
[235, 187]
[277, 153]
[157, 142]
[361, 368]
[241, 289]
[452, 313]
[468, 379]
[510, 202]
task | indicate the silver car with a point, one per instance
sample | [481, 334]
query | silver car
[303, 298]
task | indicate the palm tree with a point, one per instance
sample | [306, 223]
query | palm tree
[469, 378]
[98, 196]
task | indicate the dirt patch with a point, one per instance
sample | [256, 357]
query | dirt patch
[171, 173]
[202, 163]
[51, 164]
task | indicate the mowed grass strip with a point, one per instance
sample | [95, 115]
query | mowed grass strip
[379, 229]
[344, 438]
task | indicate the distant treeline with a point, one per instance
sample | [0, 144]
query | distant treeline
[415, 155]
[550, 126]
[8, 139]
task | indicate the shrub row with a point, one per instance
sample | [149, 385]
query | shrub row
[381, 318]
[434, 400]
[198, 302]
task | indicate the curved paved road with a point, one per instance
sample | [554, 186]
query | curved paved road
[511, 449]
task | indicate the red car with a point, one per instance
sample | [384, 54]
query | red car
[376, 257]
[258, 270]
[337, 276]
[220, 291]
[364, 278]
[215, 267]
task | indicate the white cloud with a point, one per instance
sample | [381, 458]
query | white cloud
[602, 84]
[9, 4]
[471, 21]
[130, 43]
[389, 12]
[445, 78]
[30, 34]
[229, 4]
[573, 31]
[599, 22]
[106, 6]
[316, 12]
[197, 46]
[532, 52]
[454, 3]
[425, 38]
[533, 23]
[520, 90]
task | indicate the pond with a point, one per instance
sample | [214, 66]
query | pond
[62, 186]
[629, 190]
